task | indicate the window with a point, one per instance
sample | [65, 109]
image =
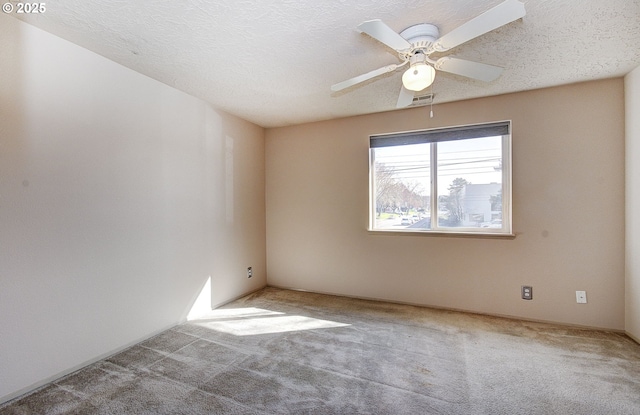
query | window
[449, 180]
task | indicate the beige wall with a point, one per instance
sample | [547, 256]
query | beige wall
[632, 108]
[119, 197]
[568, 211]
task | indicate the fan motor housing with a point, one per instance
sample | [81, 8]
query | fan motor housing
[421, 35]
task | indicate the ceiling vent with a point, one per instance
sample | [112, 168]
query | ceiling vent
[422, 100]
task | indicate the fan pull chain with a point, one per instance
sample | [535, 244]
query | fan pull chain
[431, 111]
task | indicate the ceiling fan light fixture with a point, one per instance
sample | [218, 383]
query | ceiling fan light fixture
[419, 76]
[417, 43]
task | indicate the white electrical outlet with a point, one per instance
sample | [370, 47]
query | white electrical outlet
[581, 297]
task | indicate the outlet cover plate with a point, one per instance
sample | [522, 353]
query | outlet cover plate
[581, 297]
[527, 292]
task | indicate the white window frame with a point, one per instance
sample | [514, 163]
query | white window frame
[433, 136]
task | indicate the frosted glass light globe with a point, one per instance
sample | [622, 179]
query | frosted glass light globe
[418, 77]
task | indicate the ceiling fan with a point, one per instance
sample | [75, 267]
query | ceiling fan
[416, 43]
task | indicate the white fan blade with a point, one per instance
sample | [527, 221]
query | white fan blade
[364, 77]
[405, 99]
[494, 18]
[475, 70]
[378, 30]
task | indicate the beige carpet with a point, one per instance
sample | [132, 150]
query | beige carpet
[286, 352]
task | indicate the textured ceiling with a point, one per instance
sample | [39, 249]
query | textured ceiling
[273, 62]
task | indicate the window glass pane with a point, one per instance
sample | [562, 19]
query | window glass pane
[450, 180]
[470, 183]
[402, 186]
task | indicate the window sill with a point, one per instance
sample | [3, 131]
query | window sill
[479, 235]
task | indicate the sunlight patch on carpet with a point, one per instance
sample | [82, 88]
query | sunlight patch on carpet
[254, 321]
